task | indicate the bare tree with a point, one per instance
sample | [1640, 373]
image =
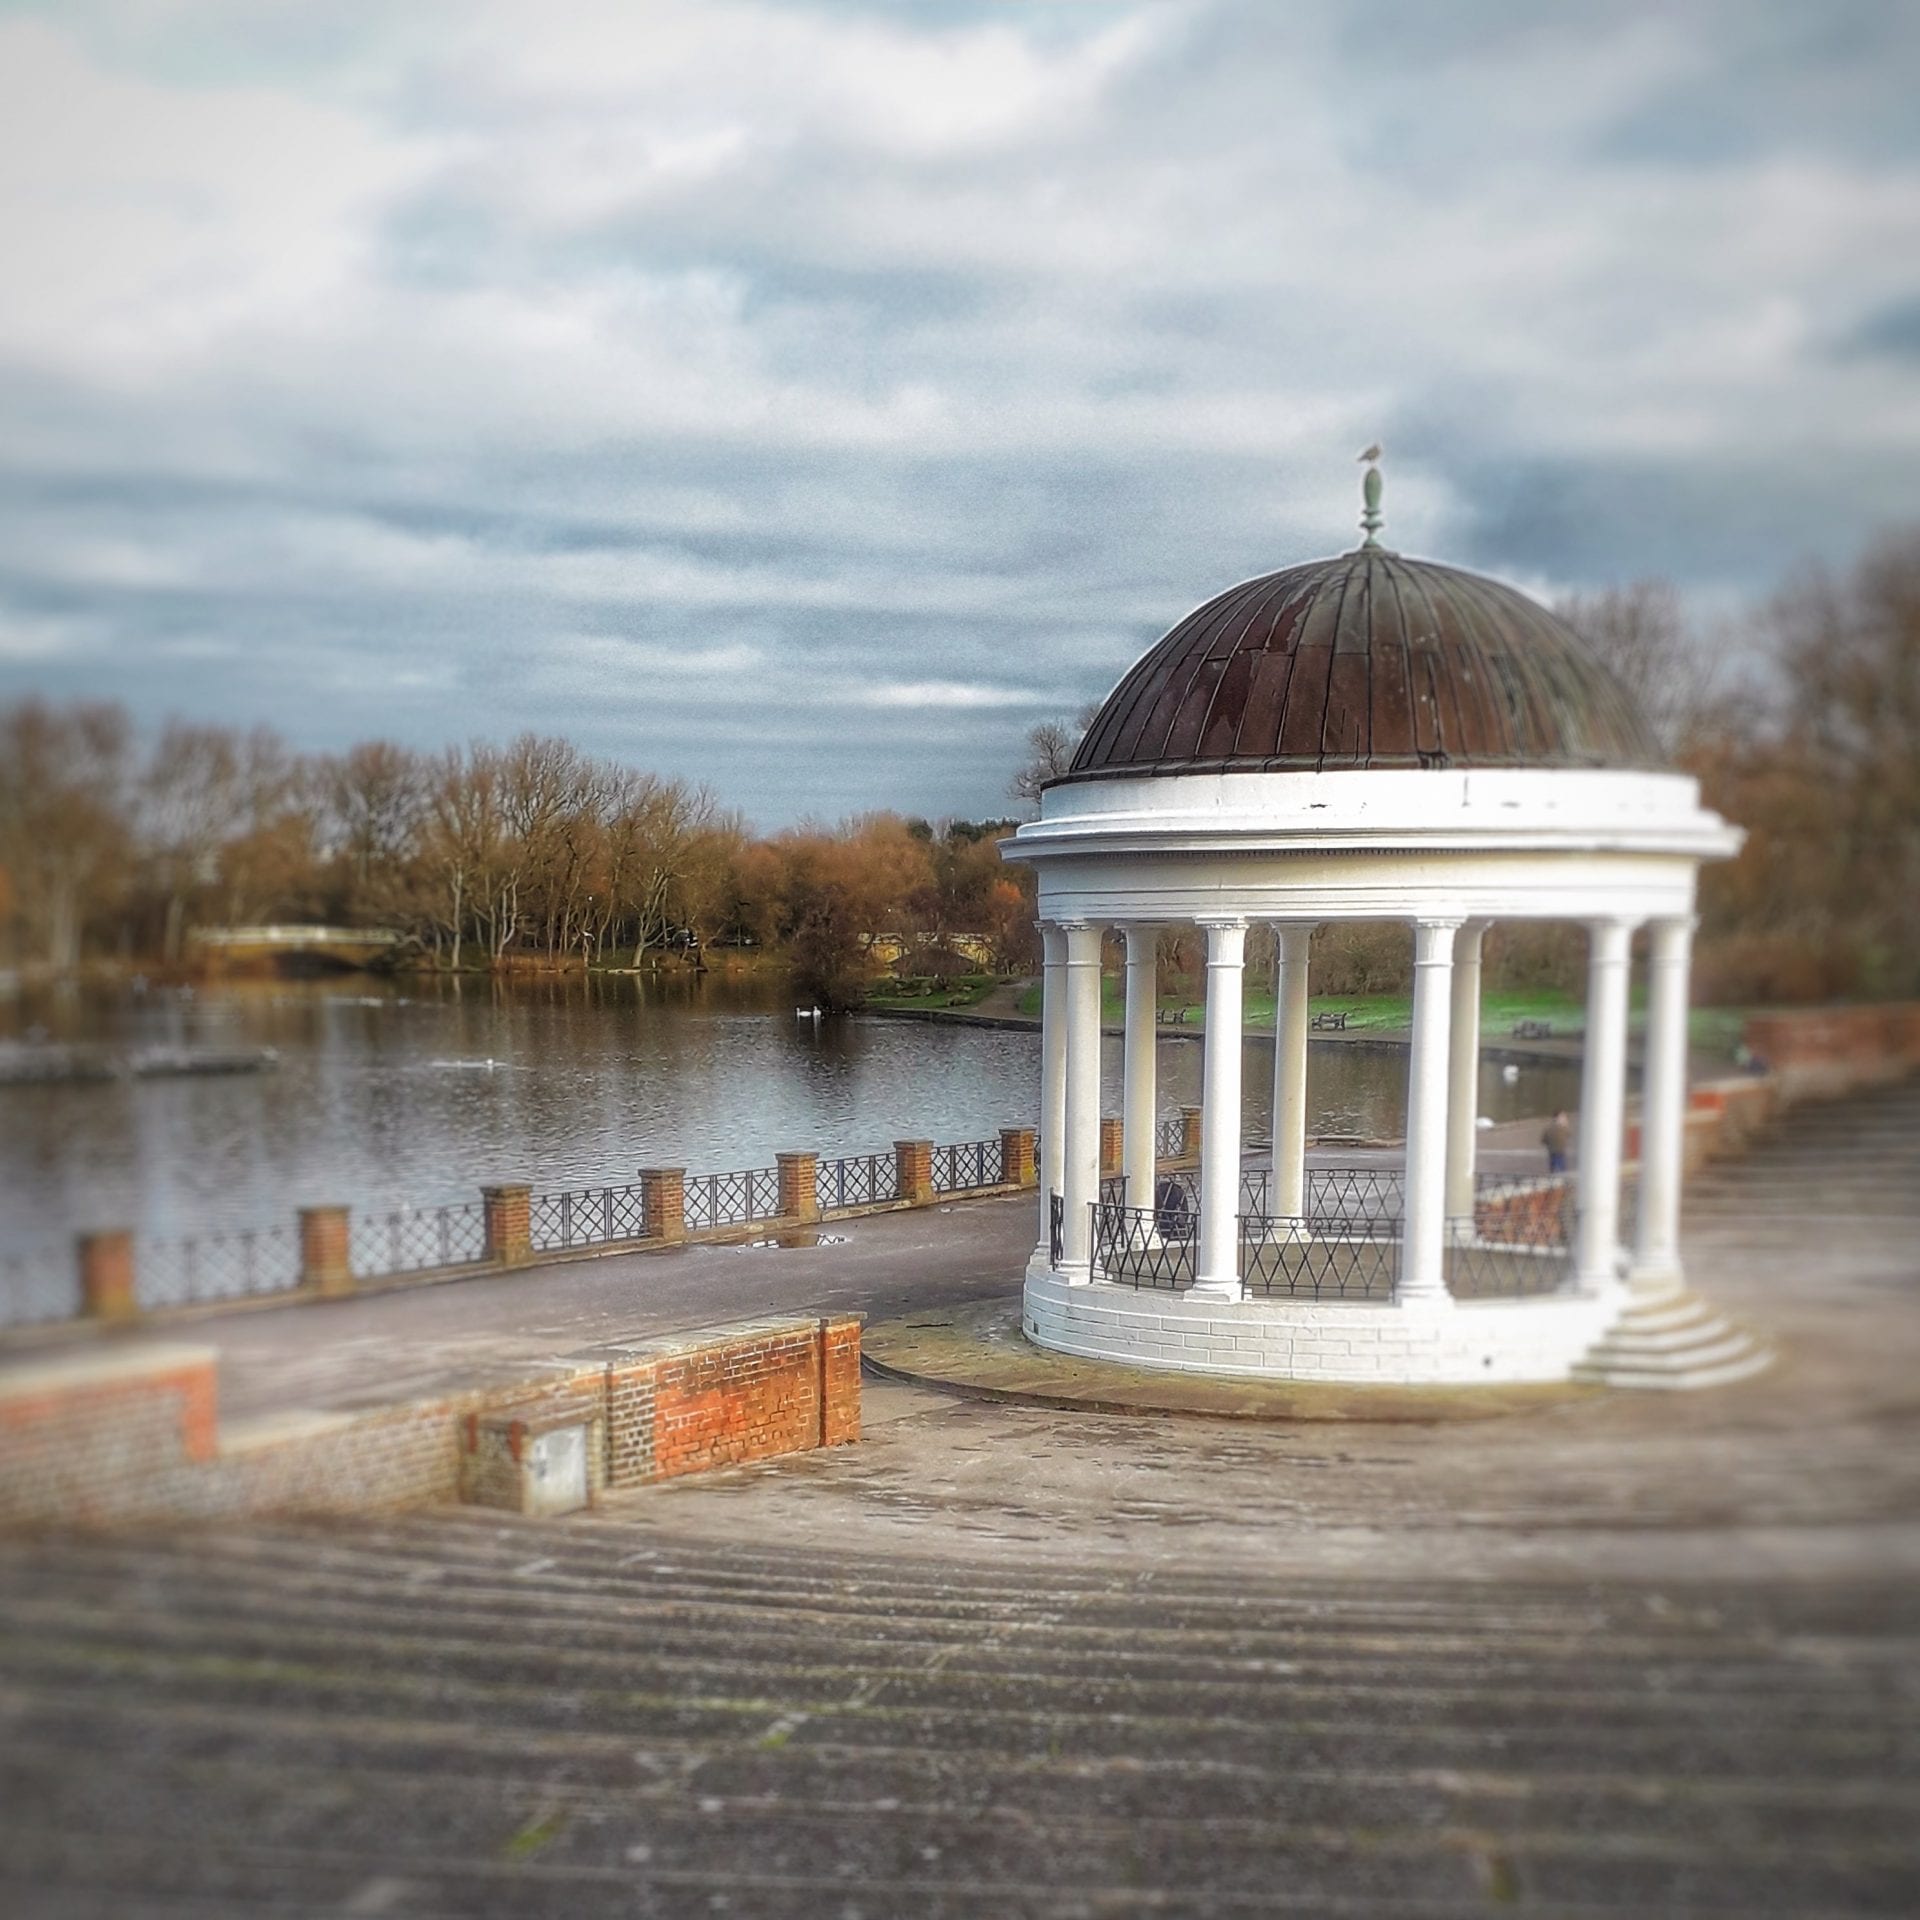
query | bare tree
[1642, 633]
[1051, 746]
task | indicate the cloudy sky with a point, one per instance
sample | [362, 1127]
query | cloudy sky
[809, 397]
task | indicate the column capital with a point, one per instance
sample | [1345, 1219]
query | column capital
[1221, 922]
[1433, 941]
[1069, 923]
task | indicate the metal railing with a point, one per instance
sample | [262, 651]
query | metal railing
[1286, 1258]
[857, 1180]
[585, 1217]
[43, 1285]
[1347, 1244]
[215, 1266]
[1169, 1136]
[1130, 1247]
[38, 1284]
[732, 1199]
[1254, 1182]
[414, 1239]
[972, 1163]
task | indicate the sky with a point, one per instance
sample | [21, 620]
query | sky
[806, 399]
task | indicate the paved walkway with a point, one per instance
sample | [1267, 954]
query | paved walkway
[1624, 1655]
[425, 1340]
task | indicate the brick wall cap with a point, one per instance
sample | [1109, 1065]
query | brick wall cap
[506, 1189]
[729, 1332]
[541, 1416]
[28, 1379]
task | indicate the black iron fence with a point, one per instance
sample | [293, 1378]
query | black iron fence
[585, 1217]
[972, 1163]
[1169, 1136]
[858, 1180]
[1346, 1246]
[732, 1199]
[414, 1239]
[1286, 1258]
[216, 1266]
[1129, 1246]
[43, 1284]
[38, 1284]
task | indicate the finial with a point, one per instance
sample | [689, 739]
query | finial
[1371, 518]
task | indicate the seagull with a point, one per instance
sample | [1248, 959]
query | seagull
[1372, 454]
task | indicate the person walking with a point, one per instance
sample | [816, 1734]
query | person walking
[1556, 1136]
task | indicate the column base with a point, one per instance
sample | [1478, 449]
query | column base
[1423, 1300]
[1074, 1273]
[1230, 1289]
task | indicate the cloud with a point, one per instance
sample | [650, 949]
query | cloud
[804, 397]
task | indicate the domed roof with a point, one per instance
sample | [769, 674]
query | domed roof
[1366, 660]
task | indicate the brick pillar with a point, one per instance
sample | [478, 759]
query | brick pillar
[326, 1257]
[508, 1213]
[913, 1167]
[1018, 1166]
[663, 1202]
[799, 1185]
[1190, 1133]
[839, 1352]
[1110, 1145]
[106, 1275]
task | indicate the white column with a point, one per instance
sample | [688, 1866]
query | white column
[1463, 1077]
[1053, 1078]
[1140, 1088]
[1423, 1275]
[1080, 1172]
[1217, 1274]
[1603, 1090]
[1663, 1110]
[1288, 1197]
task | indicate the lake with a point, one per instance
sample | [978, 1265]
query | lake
[411, 1092]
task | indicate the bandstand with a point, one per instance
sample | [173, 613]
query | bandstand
[1361, 738]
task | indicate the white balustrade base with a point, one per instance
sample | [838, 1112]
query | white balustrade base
[1477, 1342]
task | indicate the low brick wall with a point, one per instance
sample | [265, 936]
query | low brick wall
[1529, 1213]
[107, 1437]
[1823, 1052]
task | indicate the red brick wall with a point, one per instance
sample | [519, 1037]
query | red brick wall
[115, 1440]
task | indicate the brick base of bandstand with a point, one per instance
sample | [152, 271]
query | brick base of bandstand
[132, 1435]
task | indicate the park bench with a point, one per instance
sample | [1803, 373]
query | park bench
[1330, 1022]
[1533, 1030]
[1172, 1016]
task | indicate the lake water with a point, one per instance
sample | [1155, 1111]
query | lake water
[416, 1092]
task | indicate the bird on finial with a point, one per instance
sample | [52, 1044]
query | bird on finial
[1371, 518]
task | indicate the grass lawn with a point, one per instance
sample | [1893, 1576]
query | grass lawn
[963, 990]
[1714, 1030]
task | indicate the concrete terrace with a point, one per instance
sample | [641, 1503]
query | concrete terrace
[1622, 1654]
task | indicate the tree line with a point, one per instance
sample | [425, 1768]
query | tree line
[118, 844]
[531, 853]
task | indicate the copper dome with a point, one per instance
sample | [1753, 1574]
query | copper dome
[1367, 660]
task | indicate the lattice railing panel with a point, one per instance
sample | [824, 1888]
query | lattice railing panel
[971, 1163]
[39, 1284]
[1130, 1249]
[585, 1217]
[732, 1199]
[859, 1180]
[414, 1239]
[215, 1266]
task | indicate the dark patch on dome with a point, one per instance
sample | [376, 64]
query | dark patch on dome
[1367, 660]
